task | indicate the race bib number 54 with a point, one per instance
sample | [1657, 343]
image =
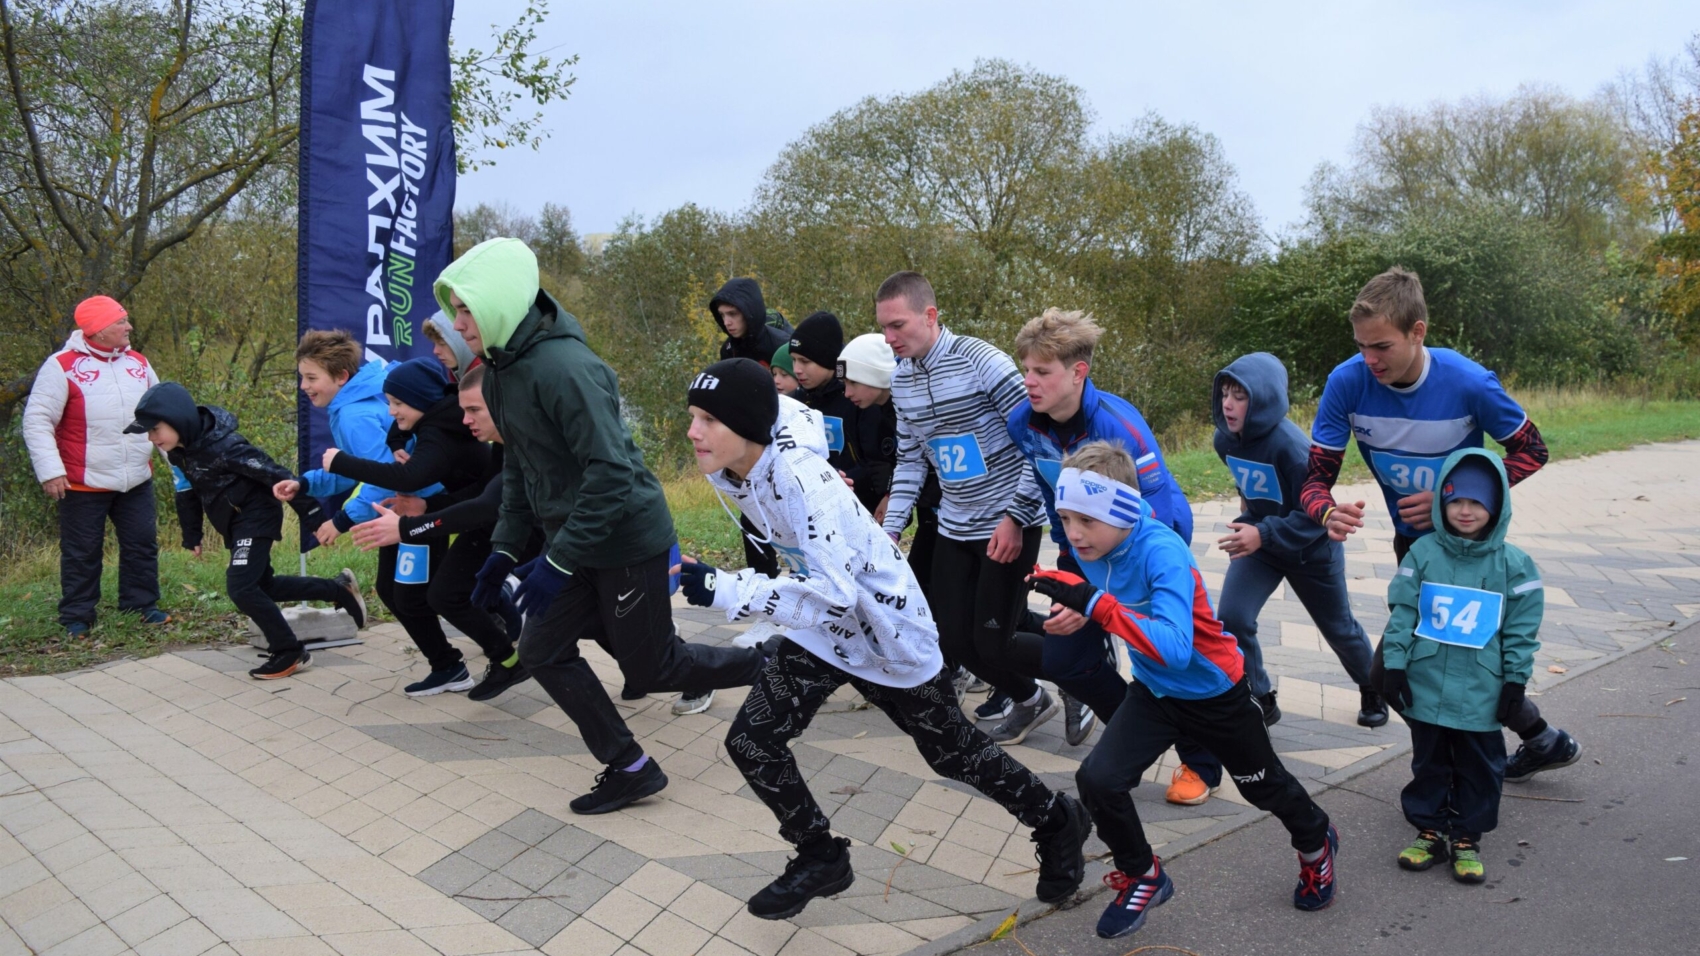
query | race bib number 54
[958, 457]
[1466, 617]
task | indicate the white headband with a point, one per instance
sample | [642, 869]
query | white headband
[1096, 496]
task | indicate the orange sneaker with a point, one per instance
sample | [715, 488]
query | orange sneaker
[1187, 788]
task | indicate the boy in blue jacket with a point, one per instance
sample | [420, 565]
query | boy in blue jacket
[1142, 585]
[1063, 411]
[1460, 646]
[1273, 539]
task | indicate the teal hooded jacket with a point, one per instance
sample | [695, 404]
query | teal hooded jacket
[1452, 685]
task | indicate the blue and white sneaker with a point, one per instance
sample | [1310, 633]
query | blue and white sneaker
[1135, 896]
[1316, 879]
[455, 678]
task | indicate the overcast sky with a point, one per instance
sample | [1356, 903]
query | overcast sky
[682, 102]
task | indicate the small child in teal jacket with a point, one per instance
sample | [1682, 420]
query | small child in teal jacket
[1460, 646]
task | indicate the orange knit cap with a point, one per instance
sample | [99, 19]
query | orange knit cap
[97, 312]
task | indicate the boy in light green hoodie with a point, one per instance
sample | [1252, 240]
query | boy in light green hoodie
[1460, 646]
[571, 465]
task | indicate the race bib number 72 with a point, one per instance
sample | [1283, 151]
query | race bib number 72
[1466, 617]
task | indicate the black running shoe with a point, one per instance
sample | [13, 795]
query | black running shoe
[498, 677]
[282, 665]
[1078, 720]
[1528, 761]
[996, 707]
[1271, 713]
[805, 878]
[352, 601]
[616, 788]
[1062, 864]
[1372, 708]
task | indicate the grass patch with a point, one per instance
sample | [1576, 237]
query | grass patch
[1575, 423]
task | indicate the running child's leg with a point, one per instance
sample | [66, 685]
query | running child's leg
[778, 708]
[1245, 589]
[1231, 726]
[1132, 741]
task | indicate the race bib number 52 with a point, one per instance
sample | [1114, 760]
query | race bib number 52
[958, 457]
[1466, 617]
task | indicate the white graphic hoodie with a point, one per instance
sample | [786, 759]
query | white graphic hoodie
[845, 592]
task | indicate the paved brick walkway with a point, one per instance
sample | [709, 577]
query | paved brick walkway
[174, 806]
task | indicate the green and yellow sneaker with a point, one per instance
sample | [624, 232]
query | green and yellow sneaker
[1467, 862]
[1425, 851]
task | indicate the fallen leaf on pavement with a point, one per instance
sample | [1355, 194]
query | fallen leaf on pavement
[1556, 669]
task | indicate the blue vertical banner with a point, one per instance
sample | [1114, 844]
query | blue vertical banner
[377, 178]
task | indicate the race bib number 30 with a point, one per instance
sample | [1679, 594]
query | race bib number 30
[834, 433]
[1406, 474]
[1257, 480]
[413, 564]
[958, 457]
[1466, 617]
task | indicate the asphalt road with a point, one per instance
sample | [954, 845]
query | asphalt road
[1585, 860]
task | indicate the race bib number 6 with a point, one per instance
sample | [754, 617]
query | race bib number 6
[1257, 480]
[1465, 617]
[1406, 474]
[958, 457]
[413, 564]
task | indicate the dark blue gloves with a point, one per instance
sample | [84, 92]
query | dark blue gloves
[487, 592]
[1396, 689]
[697, 581]
[538, 590]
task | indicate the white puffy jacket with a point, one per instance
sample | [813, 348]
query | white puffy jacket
[847, 594]
[77, 411]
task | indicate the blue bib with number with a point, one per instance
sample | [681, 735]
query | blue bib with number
[1406, 474]
[792, 558]
[1256, 479]
[1466, 617]
[1050, 471]
[834, 432]
[413, 564]
[958, 457]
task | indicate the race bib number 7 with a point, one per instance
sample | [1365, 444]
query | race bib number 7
[958, 457]
[1465, 617]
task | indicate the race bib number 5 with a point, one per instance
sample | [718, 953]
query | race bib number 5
[958, 457]
[1256, 479]
[1406, 474]
[1466, 617]
[834, 433]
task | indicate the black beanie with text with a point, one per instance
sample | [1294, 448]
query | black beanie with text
[740, 393]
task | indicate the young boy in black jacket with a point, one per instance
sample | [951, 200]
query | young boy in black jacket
[421, 580]
[814, 361]
[230, 482]
[469, 515]
[864, 368]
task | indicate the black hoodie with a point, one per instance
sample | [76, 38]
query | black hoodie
[443, 451]
[230, 480]
[760, 339]
[1269, 460]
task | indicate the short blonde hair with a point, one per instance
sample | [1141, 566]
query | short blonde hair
[1396, 294]
[1107, 459]
[1068, 337]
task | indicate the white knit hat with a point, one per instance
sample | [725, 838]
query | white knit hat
[867, 360]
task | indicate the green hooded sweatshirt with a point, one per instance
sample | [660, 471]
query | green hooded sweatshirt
[569, 461]
[1451, 685]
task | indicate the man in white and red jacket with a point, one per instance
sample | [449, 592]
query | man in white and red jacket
[84, 396]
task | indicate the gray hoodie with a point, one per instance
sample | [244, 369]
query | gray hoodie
[1269, 459]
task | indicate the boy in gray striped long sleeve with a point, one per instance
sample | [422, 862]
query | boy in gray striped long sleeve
[953, 395]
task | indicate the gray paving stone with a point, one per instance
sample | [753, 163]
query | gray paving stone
[830, 912]
[522, 707]
[772, 861]
[570, 843]
[851, 769]
[914, 877]
[453, 873]
[536, 921]
[612, 862]
[493, 849]
[531, 827]
[857, 825]
[492, 896]
[533, 868]
[744, 887]
[712, 866]
[899, 906]
[969, 897]
[891, 781]
[576, 889]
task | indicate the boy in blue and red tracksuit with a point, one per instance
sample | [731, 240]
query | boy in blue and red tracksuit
[1409, 406]
[1142, 585]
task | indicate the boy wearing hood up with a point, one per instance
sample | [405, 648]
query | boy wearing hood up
[1139, 582]
[1273, 539]
[230, 482]
[570, 464]
[741, 313]
[1460, 645]
[852, 612]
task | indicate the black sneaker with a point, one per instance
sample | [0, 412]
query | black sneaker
[616, 788]
[455, 678]
[805, 878]
[1528, 761]
[1078, 720]
[352, 602]
[1372, 708]
[498, 677]
[282, 665]
[1271, 713]
[1062, 864]
[996, 707]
